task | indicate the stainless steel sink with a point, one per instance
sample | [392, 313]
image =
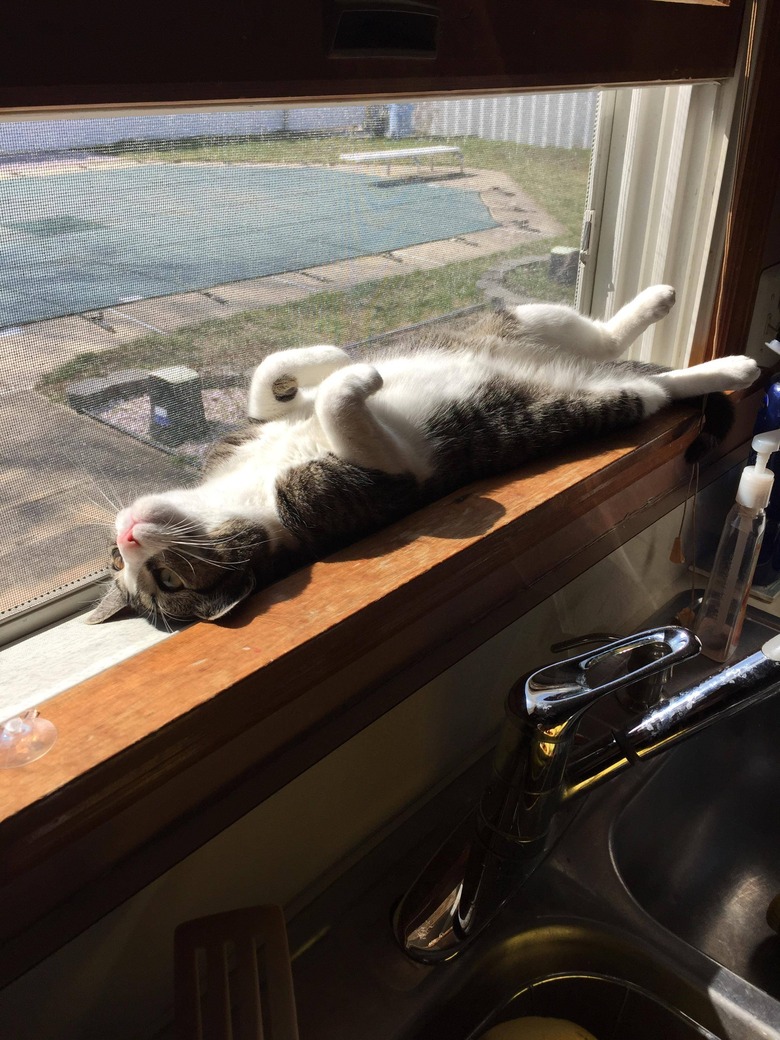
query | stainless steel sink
[556, 951]
[605, 1006]
[577, 972]
[699, 846]
[645, 921]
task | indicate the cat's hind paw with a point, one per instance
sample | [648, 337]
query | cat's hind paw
[739, 370]
[282, 384]
[656, 301]
[734, 372]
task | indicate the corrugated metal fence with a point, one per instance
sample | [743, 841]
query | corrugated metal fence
[564, 120]
[547, 120]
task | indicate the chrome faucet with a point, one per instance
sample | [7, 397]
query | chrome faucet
[537, 778]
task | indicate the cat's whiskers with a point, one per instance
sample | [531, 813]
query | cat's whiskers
[202, 543]
[216, 540]
[181, 526]
[106, 515]
[179, 534]
[227, 566]
[159, 615]
[116, 507]
[189, 564]
[164, 617]
[209, 543]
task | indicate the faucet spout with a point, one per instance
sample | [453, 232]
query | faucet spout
[721, 695]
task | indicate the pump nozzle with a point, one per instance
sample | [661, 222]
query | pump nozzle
[755, 485]
[764, 444]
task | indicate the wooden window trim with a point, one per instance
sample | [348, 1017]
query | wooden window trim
[182, 52]
[756, 183]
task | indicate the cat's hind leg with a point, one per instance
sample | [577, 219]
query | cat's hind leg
[727, 373]
[636, 317]
[557, 326]
[283, 383]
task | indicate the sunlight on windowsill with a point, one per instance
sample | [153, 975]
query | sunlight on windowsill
[64, 654]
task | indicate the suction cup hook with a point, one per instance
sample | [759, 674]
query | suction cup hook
[24, 738]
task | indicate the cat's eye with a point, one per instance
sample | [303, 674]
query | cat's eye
[117, 563]
[168, 580]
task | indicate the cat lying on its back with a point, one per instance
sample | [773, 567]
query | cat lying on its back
[336, 449]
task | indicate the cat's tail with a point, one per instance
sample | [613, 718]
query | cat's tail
[717, 419]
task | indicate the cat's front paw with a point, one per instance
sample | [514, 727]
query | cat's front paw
[361, 380]
[367, 378]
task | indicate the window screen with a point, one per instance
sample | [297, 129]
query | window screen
[149, 263]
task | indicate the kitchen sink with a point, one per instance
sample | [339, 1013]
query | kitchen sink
[646, 921]
[554, 952]
[605, 1006]
[537, 968]
[698, 846]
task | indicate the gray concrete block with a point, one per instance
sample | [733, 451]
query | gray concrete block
[176, 406]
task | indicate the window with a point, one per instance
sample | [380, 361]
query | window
[150, 262]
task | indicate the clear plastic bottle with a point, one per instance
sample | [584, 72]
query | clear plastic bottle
[722, 612]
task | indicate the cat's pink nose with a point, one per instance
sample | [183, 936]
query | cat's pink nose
[125, 535]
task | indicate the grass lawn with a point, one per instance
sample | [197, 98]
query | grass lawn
[556, 178]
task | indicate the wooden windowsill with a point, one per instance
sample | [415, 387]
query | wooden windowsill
[161, 752]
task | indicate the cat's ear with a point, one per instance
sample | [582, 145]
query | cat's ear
[114, 601]
[228, 598]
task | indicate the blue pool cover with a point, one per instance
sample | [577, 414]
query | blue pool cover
[92, 238]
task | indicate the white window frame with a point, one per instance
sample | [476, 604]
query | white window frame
[659, 188]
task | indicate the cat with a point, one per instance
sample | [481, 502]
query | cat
[334, 449]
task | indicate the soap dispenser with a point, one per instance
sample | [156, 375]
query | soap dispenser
[768, 566]
[722, 612]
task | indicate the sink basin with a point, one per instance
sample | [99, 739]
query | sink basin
[699, 846]
[578, 972]
[608, 1007]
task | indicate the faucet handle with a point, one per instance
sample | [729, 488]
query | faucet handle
[561, 691]
[587, 639]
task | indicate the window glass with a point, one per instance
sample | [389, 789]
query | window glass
[150, 262]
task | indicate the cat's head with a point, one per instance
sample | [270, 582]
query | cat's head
[170, 566]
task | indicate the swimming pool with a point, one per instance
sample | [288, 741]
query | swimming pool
[91, 238]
